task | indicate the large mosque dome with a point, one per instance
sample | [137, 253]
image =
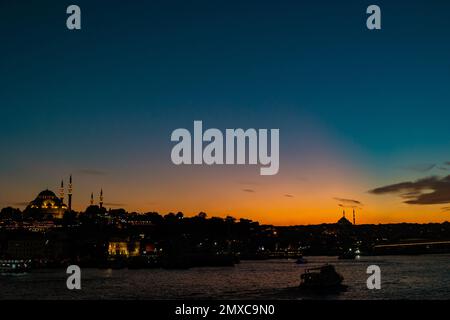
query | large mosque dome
[47, 194]
[47, 203]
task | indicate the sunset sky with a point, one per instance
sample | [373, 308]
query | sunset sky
[363, 115]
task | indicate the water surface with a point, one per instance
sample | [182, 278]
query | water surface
[403, 277]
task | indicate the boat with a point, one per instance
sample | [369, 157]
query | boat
[322, 278]
[14, 266]
[301, 260]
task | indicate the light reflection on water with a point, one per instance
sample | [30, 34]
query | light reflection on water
[402, 277]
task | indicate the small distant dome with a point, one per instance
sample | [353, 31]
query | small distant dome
[344, 221]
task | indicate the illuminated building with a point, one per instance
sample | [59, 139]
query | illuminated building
[123, 247]
[48, 205]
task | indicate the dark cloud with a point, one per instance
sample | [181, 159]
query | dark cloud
[430, 190]
[248, 190]
[289, 195]
[92, 172]
[349, 201]
[445, 209]
[411, 195]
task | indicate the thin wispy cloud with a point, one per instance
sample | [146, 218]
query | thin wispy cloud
[288, 195]
[348, 201]
[248, 190]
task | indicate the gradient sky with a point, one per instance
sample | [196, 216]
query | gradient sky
[357, 109]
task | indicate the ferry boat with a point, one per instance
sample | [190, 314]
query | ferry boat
[322, 278]
[14, 266]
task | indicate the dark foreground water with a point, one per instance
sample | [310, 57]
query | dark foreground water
[402, 277]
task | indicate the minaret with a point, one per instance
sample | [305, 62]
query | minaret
[92, 198]
[354, 220]
[69, 192]
[101, 198]
[61, 192]
[343, 213]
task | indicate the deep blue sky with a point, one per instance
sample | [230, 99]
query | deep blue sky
[139, 69]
